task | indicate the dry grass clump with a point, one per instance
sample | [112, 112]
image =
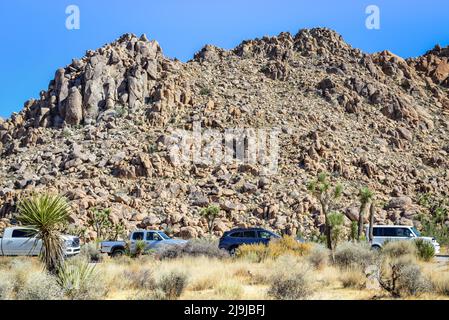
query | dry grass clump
[140, 279]
[193, 248]
[229, 290]
[353, 278]
[318, 256]
[40, 286]
[441, 283]
[396, 249]
[172, 285]
[287, 245]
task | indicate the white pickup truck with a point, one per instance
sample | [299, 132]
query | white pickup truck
[19, 241]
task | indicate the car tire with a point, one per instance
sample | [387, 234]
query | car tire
[376, 247]
[233, 251]
[118, 253]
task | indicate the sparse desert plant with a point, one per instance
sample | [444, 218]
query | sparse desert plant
[46, 214]
[318, 256]
[79, 281]
[91, 252]
[140, 279]
[291, 281]
[327, 196]
[40, 286]
[441, 283]
[173, 284]
[425, 249]
[193, 248]
[140, 248]
[229, 290]
[336, 222]
[401, 276]
[210, 214]
[396, 249]
[353, 278]
[353, 255]
[252, 252]
[6, 286]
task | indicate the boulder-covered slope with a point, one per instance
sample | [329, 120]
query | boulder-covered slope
[100, 134]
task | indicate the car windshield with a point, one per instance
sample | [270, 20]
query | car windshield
[164, 236]
[418, 234]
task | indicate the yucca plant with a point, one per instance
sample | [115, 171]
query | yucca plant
[45, 214]
[74, 279]
[365, 196]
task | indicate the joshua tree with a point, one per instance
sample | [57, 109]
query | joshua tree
[365, 196]
[336, 222]
[210, 214]
[45, 215]
[326, 195]
[372, 211]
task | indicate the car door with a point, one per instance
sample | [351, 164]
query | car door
[153, 240]
[136, 236]
[22, 243]
[250, 237]
[403, 234]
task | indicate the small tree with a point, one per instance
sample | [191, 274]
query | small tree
[336, 221]
[365, 196]
[46, 215]
[210, 214]
[327, 196]
[100, 223]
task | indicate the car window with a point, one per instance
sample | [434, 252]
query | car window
[389, 232]
[22, 233]
[152, 236]
[236, 235]
[265, 235]
[377, 232]
[403, 232]
[137, 236]
[249, 234]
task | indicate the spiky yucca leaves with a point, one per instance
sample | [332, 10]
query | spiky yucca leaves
[74, 279]
[46, 214]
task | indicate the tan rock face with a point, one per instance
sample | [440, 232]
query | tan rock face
[103, 132]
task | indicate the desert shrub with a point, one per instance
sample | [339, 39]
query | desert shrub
[396, 249]
[140, 248]
[353, 278]
[40, 286]
[193, 248]
[318, 256]
[6, 286]
[140, 279]
[354, 255]
[402, 276]
[291, 283]
[80, 281]
[229, 291]
[204, 284]
[172, 285]
[276, 248]
[253, 252]
[441, 284]
[91, 252]
[425, 249]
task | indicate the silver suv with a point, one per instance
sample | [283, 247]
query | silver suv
[381, 234]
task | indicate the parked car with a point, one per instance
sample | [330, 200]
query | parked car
[231, 240]
[20, 241]
[381, 234]
[153, 239]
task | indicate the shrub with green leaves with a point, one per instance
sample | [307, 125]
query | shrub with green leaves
[426, 250]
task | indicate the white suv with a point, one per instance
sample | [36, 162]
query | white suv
[381, 234]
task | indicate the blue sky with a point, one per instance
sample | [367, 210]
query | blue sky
[35, 41]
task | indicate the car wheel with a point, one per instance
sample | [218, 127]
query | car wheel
[375, 247]
[118, 253]
[233, 251]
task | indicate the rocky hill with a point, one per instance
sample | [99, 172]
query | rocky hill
[101, 132]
